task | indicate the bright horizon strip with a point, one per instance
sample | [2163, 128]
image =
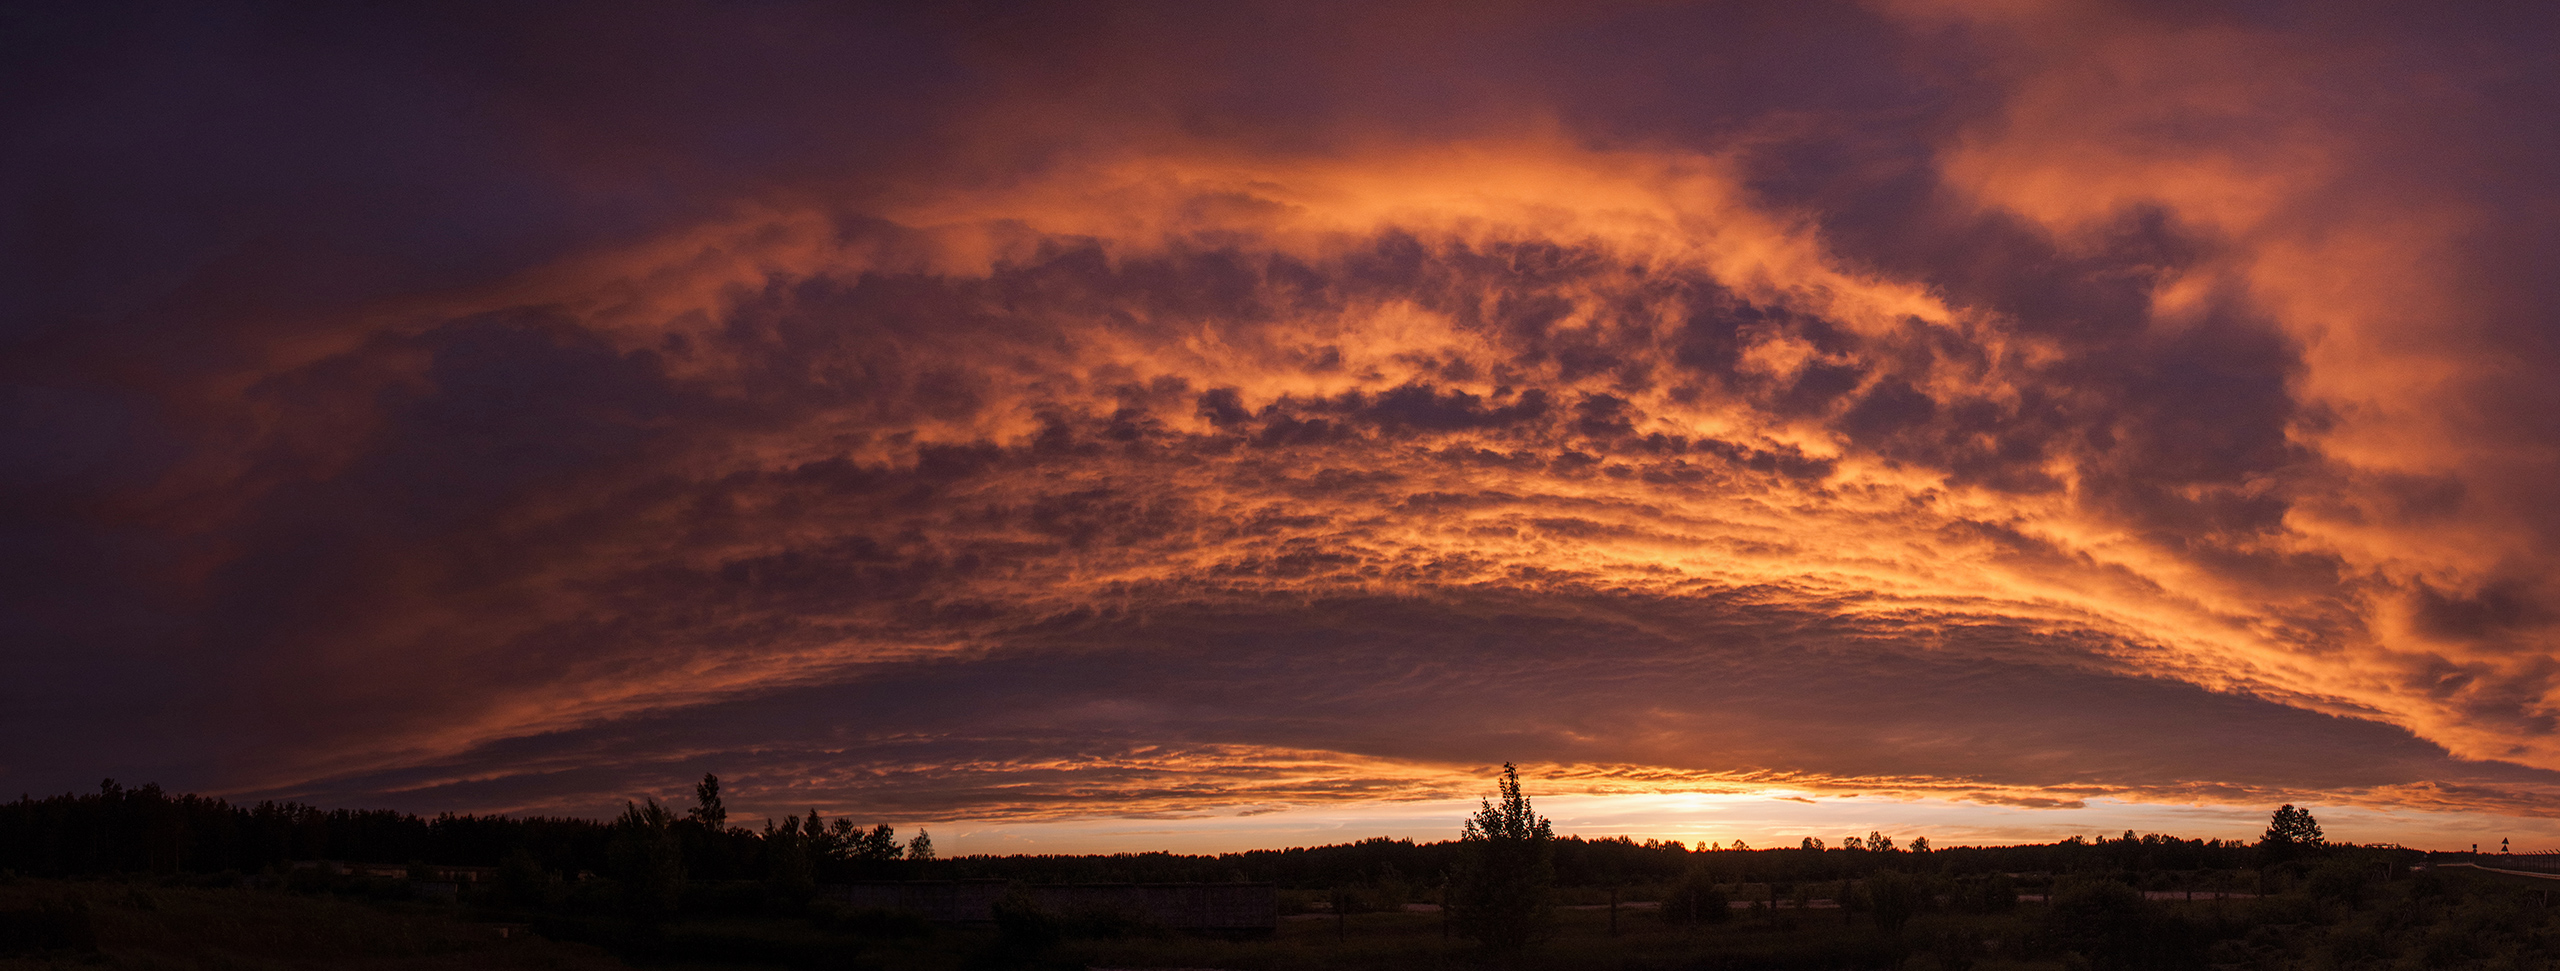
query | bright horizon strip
[1761, 821]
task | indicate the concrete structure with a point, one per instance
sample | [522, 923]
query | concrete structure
[1222, 907]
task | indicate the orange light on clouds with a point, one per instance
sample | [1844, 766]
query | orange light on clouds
[2023, 417]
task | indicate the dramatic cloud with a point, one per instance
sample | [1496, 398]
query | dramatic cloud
[1159, 411]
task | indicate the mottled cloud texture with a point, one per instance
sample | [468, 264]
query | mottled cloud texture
[1018, 412]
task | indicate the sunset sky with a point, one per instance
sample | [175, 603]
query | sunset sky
[1118, 426]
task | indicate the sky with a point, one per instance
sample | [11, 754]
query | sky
[1125, 426]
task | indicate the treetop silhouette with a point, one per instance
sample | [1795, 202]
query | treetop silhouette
[1502, 888]
[2293, 827]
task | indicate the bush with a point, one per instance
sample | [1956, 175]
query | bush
[1955, 948]
[1696, 900]
[1025, 933]
[1896, 897]
[2101, 920]
[2343, 879]
[522, 883]
[1991, 893]
[2109, 925]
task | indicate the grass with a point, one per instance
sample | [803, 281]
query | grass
[1580, 940]
[2432, 920]
[145, 925]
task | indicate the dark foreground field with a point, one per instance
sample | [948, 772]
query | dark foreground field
[152, 924]
[2313, 919]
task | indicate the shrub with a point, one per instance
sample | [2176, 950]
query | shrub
[1896, 897]
[1992, 893]
[2342, 879]
[2110, 926]
[1697, 900]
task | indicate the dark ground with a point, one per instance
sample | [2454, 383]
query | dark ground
[2318, 916]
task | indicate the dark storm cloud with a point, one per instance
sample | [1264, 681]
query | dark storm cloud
[521, 444]
[1135, 712]
[1168, 405]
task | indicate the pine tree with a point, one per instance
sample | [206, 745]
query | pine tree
[2290, 832]
[880, 844]
[2296, 826]
[708, 809]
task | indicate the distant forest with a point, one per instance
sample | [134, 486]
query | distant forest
[146, 830]
[116, 873]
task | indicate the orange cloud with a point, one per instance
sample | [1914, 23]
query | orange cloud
[2028, 446]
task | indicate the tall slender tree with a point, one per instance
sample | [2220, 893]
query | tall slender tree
[1502, 891]
[708, 809]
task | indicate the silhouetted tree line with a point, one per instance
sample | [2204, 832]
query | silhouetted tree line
[146, 830]
[1606, 861]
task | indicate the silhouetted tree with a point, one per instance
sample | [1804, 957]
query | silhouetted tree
[880, 844]
[820, 844]
[2290, 833]
[707, 809]
[2291, 825]
[788, 869]
[1500, 894]
[921, 847]
[647, 861]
